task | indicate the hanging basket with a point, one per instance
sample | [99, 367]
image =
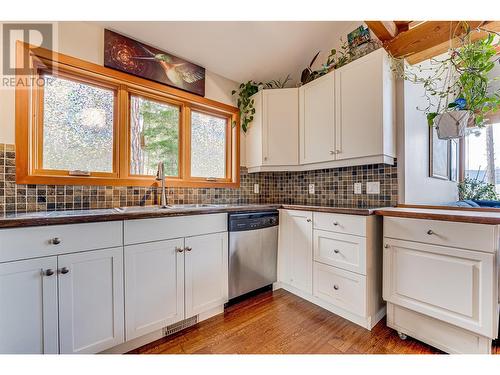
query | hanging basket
[450, 125]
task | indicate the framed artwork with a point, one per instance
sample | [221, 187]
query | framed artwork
[133, 57]
[454, 160]
[358, 36]
[439, 156]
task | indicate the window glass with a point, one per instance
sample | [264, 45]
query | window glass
[77, 126]
[154, 136]
[482, 147]
[208, 145]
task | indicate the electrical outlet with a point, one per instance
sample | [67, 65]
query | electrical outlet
[357, 188]
[311, 188]
[373, 187]
[256, 188]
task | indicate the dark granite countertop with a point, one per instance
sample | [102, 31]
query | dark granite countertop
[15, 220]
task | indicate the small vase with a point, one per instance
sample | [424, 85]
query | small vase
[450, 125]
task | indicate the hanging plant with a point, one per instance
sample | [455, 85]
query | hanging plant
[246, 104]
[460, 83]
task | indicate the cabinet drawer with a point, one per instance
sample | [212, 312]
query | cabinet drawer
[453, 285]
[158, 229]
[341, 288]
[480, 237]
[34, 242]
[350, 224]
[340, 250]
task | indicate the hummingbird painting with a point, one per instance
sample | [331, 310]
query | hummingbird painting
[147, 62]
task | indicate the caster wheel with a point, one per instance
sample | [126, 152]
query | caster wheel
[402, 336]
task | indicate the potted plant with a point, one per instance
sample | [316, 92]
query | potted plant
[461, 84]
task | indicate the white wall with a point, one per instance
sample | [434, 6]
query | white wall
[86, 41]
[415, 185]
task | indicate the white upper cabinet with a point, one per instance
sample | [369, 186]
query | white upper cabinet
[317, 120]
[346, 117]
[364, 108]
[91, 306]
[28, 307]
[272, 137]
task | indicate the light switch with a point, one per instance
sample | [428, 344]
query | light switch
[311, 188]
[373, 187]
[256, 188]
[357, 188]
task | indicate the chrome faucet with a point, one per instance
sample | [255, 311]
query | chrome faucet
[160, 176]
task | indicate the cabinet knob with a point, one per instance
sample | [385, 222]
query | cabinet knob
[265, 157]
[308, 220]
[332, 152]
[386, 245]
[335, 223]
[64, 270]
[49, 272]
[55, 241]
[430, 232]
[336, 251]
[336, 287]
[187, 248]
[179, 249]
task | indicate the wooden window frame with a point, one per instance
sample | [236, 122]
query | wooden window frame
[29, 127]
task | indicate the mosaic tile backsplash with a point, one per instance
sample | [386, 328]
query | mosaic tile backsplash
[333, 187]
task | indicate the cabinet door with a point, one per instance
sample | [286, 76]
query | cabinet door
[91, 310]
[206, 273]
[28, 307]
[359, 108]
[317, 120]
[453, 285]
[154, 286]
[296, 250]
[280, 125]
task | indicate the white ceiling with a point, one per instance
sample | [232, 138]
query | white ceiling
[241, 50]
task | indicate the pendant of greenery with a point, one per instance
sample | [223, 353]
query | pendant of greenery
[462, 77]
[245, 103]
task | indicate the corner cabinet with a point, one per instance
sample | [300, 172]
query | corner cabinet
[272, 137]
[346, 117]
[334, 261]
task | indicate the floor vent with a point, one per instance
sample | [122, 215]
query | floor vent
[179, 326]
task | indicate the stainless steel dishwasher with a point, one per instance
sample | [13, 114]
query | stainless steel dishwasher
[253, 251]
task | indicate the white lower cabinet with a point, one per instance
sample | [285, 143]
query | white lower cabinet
[154, 286]
[206, 272]
[295, 254]
[440, 289]
[90, 301]
[335, 261]
[28, 307]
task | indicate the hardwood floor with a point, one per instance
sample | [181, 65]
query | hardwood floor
[282, 323]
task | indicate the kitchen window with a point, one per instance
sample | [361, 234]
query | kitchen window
[482, 147]
[91, 125]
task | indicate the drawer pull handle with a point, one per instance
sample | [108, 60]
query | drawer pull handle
[335, 223]
[55, 241]
[179, 249]
[64, 270]
[308, 220]
[49, 272]
[187, 248]
[430, 232]
[336, 287]
[336, 251]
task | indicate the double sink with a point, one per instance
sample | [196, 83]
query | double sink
[168, 207]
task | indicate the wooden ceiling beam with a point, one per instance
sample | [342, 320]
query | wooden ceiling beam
[431, 38]
[383, 30]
